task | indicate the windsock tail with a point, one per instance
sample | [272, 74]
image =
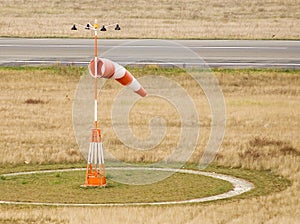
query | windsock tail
[142, 92]
[129, 80]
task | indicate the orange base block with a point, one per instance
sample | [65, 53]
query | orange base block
[95, 181]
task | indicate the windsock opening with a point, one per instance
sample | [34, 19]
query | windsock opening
[105, 68]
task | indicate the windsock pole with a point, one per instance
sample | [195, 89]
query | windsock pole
[95, 169]
[96, 74]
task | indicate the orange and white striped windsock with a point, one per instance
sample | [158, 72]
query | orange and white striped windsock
[109, 69]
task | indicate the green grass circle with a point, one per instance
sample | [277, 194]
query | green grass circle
[64, 187]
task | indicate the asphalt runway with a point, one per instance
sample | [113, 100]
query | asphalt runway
[182, 53]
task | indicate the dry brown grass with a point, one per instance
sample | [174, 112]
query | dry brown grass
[35, 116]
[154, 19]
[262, 133]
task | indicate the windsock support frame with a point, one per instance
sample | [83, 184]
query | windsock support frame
[95, 170]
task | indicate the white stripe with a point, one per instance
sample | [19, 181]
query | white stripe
[119, 71]
[135, 85]
[98, 153]
[95, 153]
[245, 64]
[142, 46]
[89, 155]
[92, 150]
[101, 150]
[102, 70]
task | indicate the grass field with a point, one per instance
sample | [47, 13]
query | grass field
[262, 133]
[215, 19]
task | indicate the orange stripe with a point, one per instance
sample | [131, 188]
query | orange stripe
[126, 79]
[92, 67]
[141, 92]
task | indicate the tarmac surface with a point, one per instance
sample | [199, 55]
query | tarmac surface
[181, 53]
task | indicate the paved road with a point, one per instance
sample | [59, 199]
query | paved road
[215, 53]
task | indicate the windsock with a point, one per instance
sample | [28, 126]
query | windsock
[109, 69]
